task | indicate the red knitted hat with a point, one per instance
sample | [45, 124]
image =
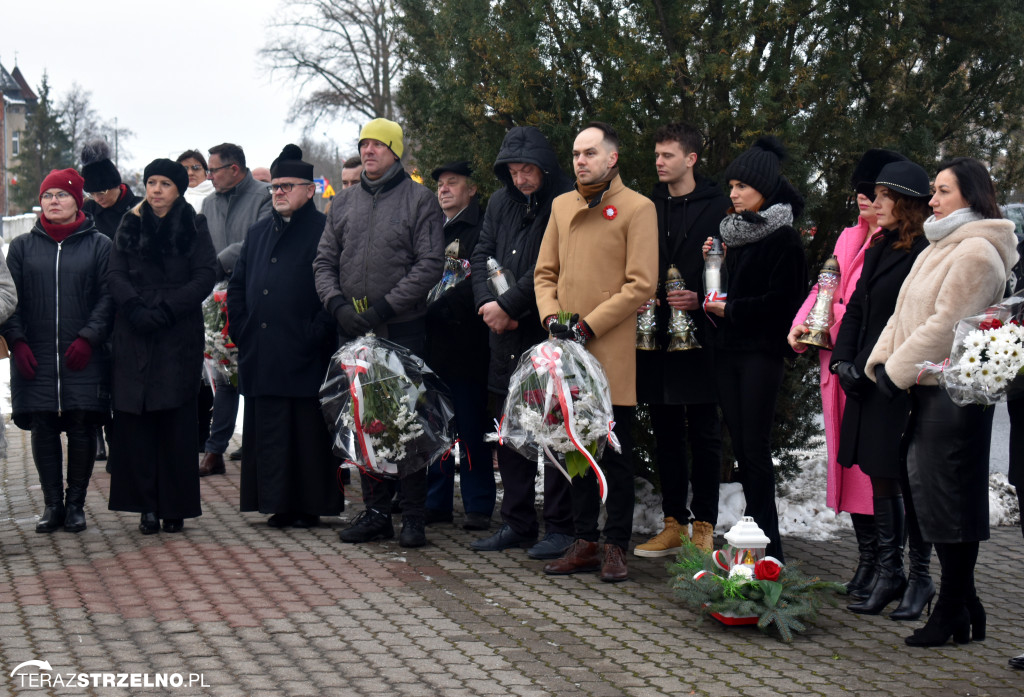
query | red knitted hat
[66, 180]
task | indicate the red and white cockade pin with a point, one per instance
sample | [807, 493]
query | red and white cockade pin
[609, 212]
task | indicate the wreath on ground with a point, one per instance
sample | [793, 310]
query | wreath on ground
[766, 592]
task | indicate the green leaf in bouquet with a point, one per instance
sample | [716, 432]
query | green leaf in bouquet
[576, 464]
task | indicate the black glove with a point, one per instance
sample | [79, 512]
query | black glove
[352, 323]
[145, 319]
[576, 330]
[885, 384]
[851, 378]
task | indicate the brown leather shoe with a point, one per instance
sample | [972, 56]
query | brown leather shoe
[213, 463]
[581, 556]
[614, 570]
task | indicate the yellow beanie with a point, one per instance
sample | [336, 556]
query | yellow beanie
[387, 132]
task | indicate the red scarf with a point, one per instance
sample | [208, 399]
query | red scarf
[59, 233]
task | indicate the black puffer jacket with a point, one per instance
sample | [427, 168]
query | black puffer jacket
[62, 295]
[107, 219]
[513, 227]
[163, 262]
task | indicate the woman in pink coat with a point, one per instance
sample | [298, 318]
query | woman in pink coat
[848, 488]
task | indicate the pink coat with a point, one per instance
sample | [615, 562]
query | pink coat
[848, 489]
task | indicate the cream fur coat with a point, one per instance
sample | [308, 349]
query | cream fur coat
[955, 277]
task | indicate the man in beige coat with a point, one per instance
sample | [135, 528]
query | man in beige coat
[599, 261]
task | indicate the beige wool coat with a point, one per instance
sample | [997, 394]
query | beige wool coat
[601, 261]
[954, 277]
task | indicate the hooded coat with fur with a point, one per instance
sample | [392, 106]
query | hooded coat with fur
[955, 277]
[167, 262]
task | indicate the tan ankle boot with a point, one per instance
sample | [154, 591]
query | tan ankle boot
[666, 543]
[703, 535]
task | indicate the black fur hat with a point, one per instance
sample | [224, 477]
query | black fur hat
[866, 172]
[289, 164]
[760, 166]
[170, 169]
[98, 171]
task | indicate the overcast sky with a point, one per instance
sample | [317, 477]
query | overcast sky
[181, 75]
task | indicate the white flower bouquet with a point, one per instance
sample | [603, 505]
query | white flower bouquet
[987, 358]
[559, 407]
[389, 413]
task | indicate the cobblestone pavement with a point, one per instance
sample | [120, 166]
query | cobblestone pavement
[258, 611]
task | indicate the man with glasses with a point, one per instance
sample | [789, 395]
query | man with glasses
[285, 340]
[109, 198]
[383, 243]
[237, 203]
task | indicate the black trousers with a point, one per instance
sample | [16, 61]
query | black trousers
[673, 426]
[748, 386]
[618, 471]
[518, 507]
[48, 453]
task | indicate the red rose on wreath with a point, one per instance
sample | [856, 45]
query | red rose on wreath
[610, 212]
[767, 570]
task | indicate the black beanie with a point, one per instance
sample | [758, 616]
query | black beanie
[99, 172]
[759, 167]
[289, 164]
[167, 168]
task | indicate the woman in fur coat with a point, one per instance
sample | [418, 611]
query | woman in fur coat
[162, 267]
[767, 281]
[964, 269]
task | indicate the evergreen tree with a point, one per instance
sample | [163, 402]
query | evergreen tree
[44, 147]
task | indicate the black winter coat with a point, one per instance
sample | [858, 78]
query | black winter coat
[456, 334]
[872, 424]
[62, 295]
[107, 219]
[285, 337]
[767, 284]
[512, 231]
[684, 222]
[163, 262]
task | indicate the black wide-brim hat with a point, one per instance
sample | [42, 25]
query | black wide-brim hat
[905, 177]
[866, 172]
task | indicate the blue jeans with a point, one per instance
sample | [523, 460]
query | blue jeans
[225, 413]
[476, 469]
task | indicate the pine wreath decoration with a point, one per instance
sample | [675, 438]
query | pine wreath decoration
[778, 595]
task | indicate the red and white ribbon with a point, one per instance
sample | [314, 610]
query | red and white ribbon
[548, 359]
[360, 366]
[712, 297]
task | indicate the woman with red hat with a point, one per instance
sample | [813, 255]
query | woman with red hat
[60, 368]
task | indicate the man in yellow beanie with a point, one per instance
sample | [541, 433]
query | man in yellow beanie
[383, 242]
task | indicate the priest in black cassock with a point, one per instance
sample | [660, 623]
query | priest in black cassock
[285, 339]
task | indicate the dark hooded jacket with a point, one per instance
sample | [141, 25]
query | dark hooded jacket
[166, 263]
[513, 228]
[107, 219]
[684, 222]
[767, 282]
[62, 295]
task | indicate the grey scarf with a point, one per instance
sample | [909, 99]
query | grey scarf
[375, 184]
[739, 229]
[936, 230]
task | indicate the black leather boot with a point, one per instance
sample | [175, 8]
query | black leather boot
[49, 459]
[81, 458]
[891, 581]
[920, 586]
[867, 546]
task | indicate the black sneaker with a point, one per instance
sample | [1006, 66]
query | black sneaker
[413, 534]
[368, 526]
